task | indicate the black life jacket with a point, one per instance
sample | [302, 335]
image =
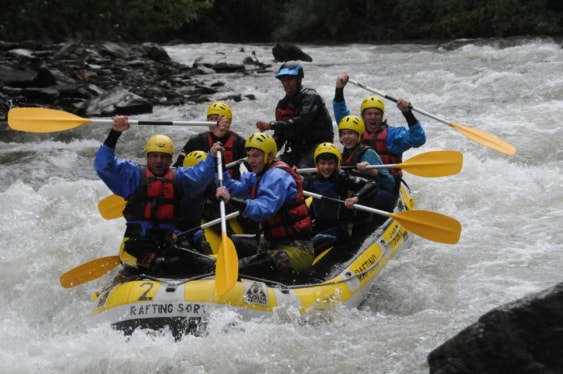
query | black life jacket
[318, 129]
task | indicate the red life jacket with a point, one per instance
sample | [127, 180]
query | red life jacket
[154, 200]
[228, 154]
[284, 114]
[293, 220]
[377, 141]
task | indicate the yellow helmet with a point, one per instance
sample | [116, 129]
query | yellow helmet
[221, 109]
[160, 143]
[263, 142]
[372, 102]
[193, 158]
[353, 123]
[328, 149]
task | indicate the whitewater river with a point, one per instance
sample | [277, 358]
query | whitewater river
[510, 209]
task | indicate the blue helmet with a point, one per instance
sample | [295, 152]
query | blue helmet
[290, 68]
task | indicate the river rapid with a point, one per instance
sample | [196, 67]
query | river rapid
[510, 208]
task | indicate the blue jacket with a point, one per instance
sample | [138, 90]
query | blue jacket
[123, 177]
[276, 188]
[399, 139]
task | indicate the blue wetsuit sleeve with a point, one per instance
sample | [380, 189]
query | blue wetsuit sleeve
[340, 110]
[400, 139]
[121, 176]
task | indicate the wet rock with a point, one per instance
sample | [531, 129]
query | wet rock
[288, 52]
[104, 79]
[118, 101]
[525, 336]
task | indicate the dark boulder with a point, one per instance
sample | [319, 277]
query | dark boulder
[287, 52]
[525, 336]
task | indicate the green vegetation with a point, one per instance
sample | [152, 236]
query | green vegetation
[131, 20]
[324, 21]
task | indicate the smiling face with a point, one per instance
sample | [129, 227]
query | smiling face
[349, 138]
[326, 166]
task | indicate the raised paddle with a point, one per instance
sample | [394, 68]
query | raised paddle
[94, 269]
[51, 120]
[430, 164]
[477, 136]
[427, 224]
[226, 268]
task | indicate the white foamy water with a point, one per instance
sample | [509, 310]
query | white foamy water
[510, 209]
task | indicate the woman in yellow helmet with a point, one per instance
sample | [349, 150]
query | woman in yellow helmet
[153, 193]
[357, 158]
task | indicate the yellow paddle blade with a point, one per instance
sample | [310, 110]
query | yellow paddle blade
[430, 225]
[43, 120]
[485, 139]
[111, 207]
[226, 271]
[434, 164]
[89, 271]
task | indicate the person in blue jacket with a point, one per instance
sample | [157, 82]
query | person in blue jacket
[357, 158]
[390, 142]
[154, 194]
[272, 195]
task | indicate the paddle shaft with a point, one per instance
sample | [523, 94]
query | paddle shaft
[221, 201]
[478, 136]
[154, 123]
[386, 166]
[43, 120]
[356, 206]
[211, 223]
[383, 94]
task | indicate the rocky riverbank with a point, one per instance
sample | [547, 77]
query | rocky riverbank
[104, 79]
